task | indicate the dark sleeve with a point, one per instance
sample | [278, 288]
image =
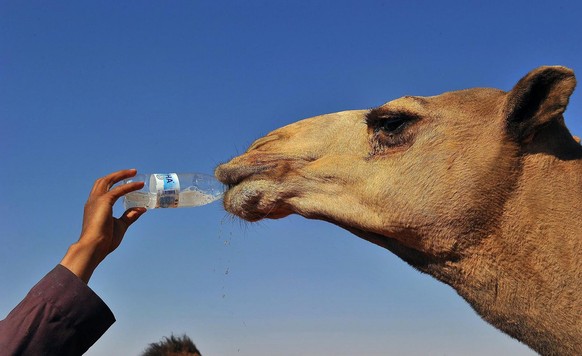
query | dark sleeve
[60, 315]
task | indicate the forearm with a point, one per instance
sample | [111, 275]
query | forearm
[60, 316]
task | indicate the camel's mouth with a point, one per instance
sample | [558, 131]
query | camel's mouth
[250, 194]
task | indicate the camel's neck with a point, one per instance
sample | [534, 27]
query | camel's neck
[526, 277]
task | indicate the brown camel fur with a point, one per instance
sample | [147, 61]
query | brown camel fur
[480, 188]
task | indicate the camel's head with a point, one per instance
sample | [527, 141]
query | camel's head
[426, 174]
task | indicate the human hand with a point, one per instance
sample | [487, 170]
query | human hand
[102, 233]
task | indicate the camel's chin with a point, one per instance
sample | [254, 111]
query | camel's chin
[254, 201]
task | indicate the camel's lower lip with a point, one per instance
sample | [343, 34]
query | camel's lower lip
[242, 202]
[253, 200]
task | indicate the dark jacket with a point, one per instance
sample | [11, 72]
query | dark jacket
[60, 315]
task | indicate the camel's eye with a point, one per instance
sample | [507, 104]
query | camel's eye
[389, 130]
[393, 126]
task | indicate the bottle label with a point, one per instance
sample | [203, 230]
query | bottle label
[168, 190]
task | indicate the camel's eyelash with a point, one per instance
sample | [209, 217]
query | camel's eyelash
[375, 117]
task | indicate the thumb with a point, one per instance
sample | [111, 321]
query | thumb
[131, 215]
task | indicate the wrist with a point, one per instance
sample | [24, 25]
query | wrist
[81, 259]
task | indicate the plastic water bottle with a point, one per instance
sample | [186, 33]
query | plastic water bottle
[173, 190]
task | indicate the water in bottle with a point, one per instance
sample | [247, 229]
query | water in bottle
[173, 190]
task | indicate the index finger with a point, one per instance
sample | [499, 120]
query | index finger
[102, 185]
[123, 189]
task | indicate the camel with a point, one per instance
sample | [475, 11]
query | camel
[479, 188]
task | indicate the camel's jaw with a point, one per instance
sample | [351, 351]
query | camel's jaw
[285, 171]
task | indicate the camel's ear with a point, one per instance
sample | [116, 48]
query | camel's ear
[539, 97]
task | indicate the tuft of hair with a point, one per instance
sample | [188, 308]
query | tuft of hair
[172, 346]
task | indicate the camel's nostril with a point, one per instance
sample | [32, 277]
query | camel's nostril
[262, 141]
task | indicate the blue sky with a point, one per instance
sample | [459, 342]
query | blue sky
[87, 88]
